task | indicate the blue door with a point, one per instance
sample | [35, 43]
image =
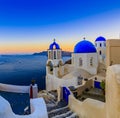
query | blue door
[66, 94]
[97, 84]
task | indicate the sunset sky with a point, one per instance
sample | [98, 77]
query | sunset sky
[28, 26]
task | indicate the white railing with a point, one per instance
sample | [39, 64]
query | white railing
[14, 88]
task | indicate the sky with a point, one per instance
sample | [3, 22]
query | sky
[28, 26]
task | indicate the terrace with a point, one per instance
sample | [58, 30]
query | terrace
[20, 102]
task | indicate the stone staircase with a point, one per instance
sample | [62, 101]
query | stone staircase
[58, 109]
[61, 110]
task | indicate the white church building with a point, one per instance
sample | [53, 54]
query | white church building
[100, 44]
[84, 62]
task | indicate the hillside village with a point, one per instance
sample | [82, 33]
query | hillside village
[86, 85]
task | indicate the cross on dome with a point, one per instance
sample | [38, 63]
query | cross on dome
[84, 38]
[54, 45]
[54, 40]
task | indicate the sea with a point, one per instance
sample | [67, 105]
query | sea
[22, 69]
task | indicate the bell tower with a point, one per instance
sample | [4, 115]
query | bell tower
[54, 58]
[100, 44]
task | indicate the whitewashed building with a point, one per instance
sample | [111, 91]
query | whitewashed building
[85, 57]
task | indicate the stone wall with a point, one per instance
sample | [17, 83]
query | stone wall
[88, 84]
[53, 82]
[112, 52]
[113, 92]
[89, 108]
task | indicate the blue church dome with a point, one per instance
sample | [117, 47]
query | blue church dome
[84, 47]
[54, 45]
[100, 38]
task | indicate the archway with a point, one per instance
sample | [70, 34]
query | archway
[50, 67]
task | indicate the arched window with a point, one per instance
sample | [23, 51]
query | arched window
[51, 56]
[80, 62]
[58, 55]
[104, 44]
[100, 45]
[50, 67]
[96, 44]
[54, 54]
[100, 52]
[91, 61]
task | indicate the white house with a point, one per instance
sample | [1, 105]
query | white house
[85, 57]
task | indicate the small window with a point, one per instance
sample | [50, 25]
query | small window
[100, 52]
[96, 44]
[100, 45]
[95, 78]
[58, 54]
[104, 44]
[91, 61]
[54, 54]
[50, 66]
[80, 62]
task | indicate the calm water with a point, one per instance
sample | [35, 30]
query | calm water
[21, 69]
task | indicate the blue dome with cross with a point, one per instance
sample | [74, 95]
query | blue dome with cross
[54, 45]
[100, 38]
[84, 47]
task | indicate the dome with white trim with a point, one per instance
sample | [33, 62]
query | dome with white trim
[54, 45]
[100, 38]
[84, 47]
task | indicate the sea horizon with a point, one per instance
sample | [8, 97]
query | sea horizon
[21, 69]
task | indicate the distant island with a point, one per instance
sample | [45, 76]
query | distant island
[64, 53]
